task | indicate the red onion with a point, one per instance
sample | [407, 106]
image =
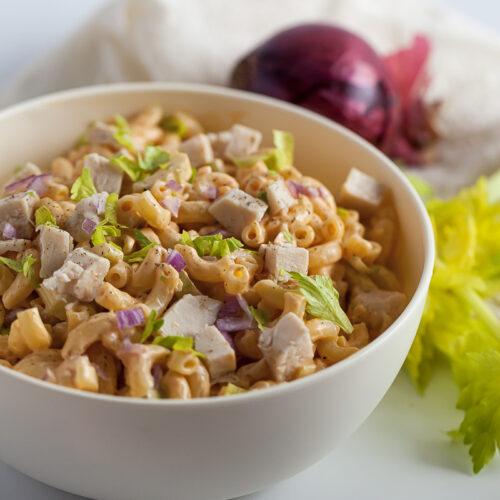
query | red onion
[100, 372]
[234, 324]
[231, 307]
[175, 259]
[292, 188]
[88, 225]
[171, 204]
[130, 317]
[9, 232]
[35, 182]
[173, 186]
[11, 316]
[323, 192]
[100, 204]
[211, 192]
[297, 188]
[227, 319]
[229, 339]
[336, 73]
[222, 232]
[244, 306]
[157, 373]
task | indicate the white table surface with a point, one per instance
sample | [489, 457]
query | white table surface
[401, 451]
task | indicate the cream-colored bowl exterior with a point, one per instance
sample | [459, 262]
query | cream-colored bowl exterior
[128, 449]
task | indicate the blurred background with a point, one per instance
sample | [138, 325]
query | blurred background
[28, 28]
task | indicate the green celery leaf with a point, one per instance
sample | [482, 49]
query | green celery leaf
[122, 131]
[140, 255]
[24, 266]
[261, 316]
[43, 216]
[152, 325]
[178, 343]
[83, 187]
[458, 323]
[322, 299]
[288, 236]
[174, 125]
[154, 158]
[213, 245]
[232, 389]
[276, 159]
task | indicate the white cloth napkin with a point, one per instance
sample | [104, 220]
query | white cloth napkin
[200, 41]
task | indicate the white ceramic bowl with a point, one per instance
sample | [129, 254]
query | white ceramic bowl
[129, 449]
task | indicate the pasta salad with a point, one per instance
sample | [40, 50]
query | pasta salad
[159, 260]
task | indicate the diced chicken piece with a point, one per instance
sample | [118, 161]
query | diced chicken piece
[288, 258]
[88, 208]
[55, 246]
[236, 209]
[199, 150]
[377, 308]
[219, 142]
[102, 133]
[79, 278]
[179, 171]
[361, 192]
[244, 141]
[279, 198]
[17, 210]
[23, 172]
[106, 176]
[17, 245]
[220, 356]
[190, 315]
[286, 347]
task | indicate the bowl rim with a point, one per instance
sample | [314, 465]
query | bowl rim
[274, 391]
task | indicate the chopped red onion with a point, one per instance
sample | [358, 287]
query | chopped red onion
[229, 339]
[297, 188]
[211, 192]
[88, 225]
[175, 259]
[23, 183]
[222, 232]
[130, 317]
[38, 184]
[173, 186]
[9, 232]
[234, 324]
[323, 192]
[292, 188]
[231, 307]
[35, 182]
[11, 316]
[157, 373]
[171, 204]
[100, 204]
[100, 372]
[244, 306]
